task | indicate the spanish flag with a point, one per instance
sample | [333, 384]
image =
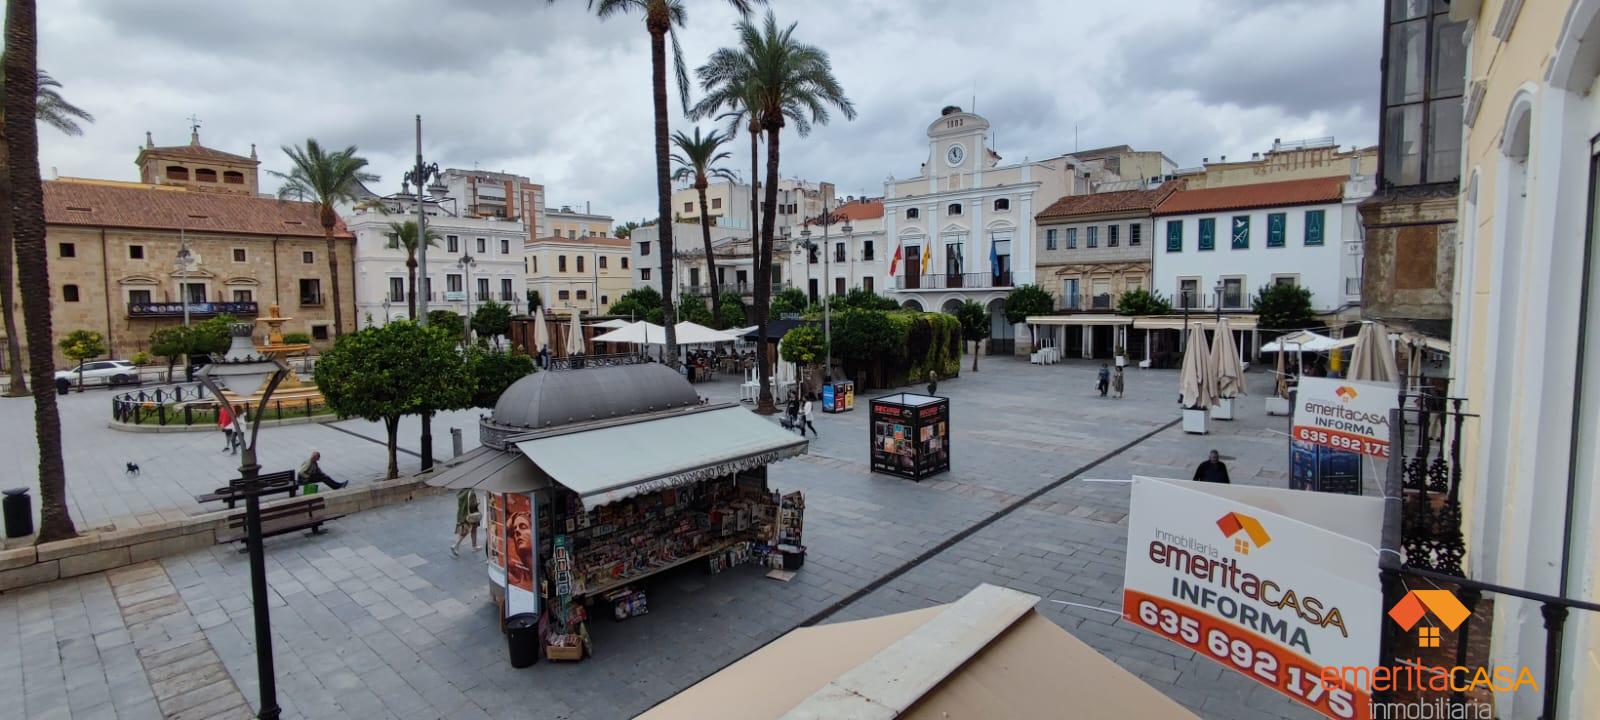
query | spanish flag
[927, 257]
[894, 263]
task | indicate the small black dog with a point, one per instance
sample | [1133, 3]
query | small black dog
[132, 469]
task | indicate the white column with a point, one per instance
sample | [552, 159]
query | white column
[1022, 245]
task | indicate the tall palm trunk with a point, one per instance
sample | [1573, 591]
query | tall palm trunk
[763, 261]
[711, 259]
[33, 275]
[411, 278]
[328, 221]
[658, 23]
[755, 183]
[19, 385]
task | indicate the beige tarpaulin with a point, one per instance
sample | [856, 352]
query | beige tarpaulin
[1197, 379]
[1372, 359]
[1225, 360]
[911, 665]
[541, 334]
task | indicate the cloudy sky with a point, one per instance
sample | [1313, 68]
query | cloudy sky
[548, 91]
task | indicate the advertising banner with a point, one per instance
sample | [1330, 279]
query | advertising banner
[1346, 415]
[1277, 585]
[520, 560]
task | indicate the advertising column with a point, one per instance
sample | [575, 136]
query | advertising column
[1266, 593]
[520, 541]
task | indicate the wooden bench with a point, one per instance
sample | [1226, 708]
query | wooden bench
[307, 514]
[291, 485]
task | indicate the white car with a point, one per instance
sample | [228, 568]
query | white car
[101, 372]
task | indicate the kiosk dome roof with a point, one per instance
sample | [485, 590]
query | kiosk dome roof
[549, 399]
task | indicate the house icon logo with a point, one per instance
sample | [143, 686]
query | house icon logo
[1346, 393]
[1234, 523]
[1419, 603]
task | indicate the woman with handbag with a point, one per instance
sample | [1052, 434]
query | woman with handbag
[467, 519]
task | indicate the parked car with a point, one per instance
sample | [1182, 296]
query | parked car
[100, 372]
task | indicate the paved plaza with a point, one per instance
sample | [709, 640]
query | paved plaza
[377, 619]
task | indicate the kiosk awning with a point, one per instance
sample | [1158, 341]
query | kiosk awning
[653, 455]
[490, 470]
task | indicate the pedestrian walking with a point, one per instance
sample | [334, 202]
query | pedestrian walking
[1103, 382]
[805, 420]
[312, 471]
[225, 421]
[933, 382]
[1116, 382]
[467, 519]
[1212, 470]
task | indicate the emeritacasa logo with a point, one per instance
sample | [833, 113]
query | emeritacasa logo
[1234, 522]
[1346, 393]
[1418, 603]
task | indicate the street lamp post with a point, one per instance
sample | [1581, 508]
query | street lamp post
[827, 218]
[244, 369]
[419, 175]
[386, 311]
[466, 263]
[1218, 290]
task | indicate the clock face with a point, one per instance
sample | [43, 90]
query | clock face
[955, 155]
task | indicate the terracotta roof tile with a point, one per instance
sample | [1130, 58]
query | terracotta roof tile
[1108, 202]
[1260, 195]
[591, 239]
[199, 151]
[857, 210]
[132, 205]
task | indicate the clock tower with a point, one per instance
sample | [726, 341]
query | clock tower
[956, 143]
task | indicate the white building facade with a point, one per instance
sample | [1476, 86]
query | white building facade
[1221, 245]
[846, 254]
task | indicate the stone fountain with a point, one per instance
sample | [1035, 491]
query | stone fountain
[292, 392]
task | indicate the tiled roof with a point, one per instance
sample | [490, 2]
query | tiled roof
[1108, 202]
[135, 205]
[1260, 195]
[865, 209]
[591, 240]
[199, 151]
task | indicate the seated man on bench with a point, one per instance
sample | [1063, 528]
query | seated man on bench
[310, 472]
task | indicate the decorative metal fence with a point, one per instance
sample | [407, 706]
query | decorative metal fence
[189, 405]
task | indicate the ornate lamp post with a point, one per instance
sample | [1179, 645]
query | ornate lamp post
[827, 218]
[243, 369]
[386, 311]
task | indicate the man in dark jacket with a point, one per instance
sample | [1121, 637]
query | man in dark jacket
[1212, 470]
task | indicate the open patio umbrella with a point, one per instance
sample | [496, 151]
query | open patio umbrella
[639, 333]
[696, 334]
[541, 333]
[1225, 362]
[612, 324]
[575, 337]
[1372, 359]
[1197, 380]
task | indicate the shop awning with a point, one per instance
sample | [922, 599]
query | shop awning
[1207, 320]
[604, 465]
[1080, 319]
[489, 470]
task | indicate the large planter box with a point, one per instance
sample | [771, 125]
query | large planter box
[1196, 422]
[1223, 410]
[1278, 406]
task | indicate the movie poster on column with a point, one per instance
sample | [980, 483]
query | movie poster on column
[521, 563]
[1267, 594]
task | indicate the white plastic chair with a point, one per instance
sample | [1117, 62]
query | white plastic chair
[750, 390]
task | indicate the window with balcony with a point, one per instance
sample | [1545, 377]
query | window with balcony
[1232, 293]
[453, 283]
[483, 289]
[139, 297]
[838, 252]
[505, 289]
[1134, 231]
[1188, 293]
[310, 291]
[1174, 236]
[1276, 227]
[954, 209]
[1424, 76]
[1314, 220]
[397, 289]
[193, 292]
[1112, 232]
[1208, 234]
[1091, 236]
[1072, 238]
[243, 296]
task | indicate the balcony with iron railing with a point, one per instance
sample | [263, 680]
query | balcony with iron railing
[1207, 302]
[954, 281]
[311, 300]
[740, 288]
[195, 309]
[1104, 302]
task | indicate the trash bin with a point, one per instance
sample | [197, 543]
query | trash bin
[522, 638]
[18, 510]
[63, 386]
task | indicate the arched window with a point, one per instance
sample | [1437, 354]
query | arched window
[233, 177]
[177, 172]
[205, 175]
[955, 209]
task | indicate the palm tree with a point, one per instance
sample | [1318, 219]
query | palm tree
[404, 235]
[661, 17]
[325, 179]
[21, 65]
[53, 110]
[696, 165]
[784, 81]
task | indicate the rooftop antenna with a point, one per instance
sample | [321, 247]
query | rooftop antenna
[1074, 137]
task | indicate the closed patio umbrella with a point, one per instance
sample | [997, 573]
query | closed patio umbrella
[1226, 364]
[1281, 387]
[1372, 359]
[575, 337]
[541, 333]
[1197, 380]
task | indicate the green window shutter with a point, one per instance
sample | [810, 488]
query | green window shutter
[1276, 223]
[1208, 233]
[1241, 232]
[1314, 220]
[1174, 236]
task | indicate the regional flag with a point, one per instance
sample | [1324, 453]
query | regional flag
[927, 257]
[895, 262]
